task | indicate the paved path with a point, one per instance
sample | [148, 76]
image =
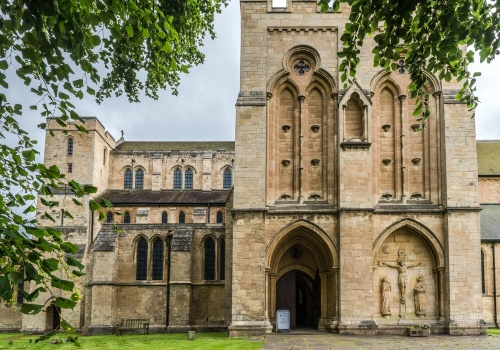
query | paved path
[326, 341]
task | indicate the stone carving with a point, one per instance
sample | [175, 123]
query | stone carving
[419, 293]
[415, 127]
[286, 128]
[315, 128]
[402, 268]
[386, 297]
[386, 249]
[386, 127]
[386, 161]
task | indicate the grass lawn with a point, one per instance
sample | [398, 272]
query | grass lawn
[203, 341]
[495, 331]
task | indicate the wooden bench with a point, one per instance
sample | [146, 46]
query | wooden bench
[132, 324]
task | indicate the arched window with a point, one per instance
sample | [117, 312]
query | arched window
[126, 218]
[222, 260]
[142, 260]
[219, 217]
[158, 259]
[164, 217]
[182, 218]
[483, 283]
[109, 217]
[209, 259]
[139, 179]
[227, 181]
[70, 146]
[20, 288]
[178, 178]
[127, 179]
[188, 183]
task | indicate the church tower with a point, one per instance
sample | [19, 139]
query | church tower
[346, 212]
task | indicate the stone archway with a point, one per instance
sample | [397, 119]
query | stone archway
[417, 292]
[302, 277]
[53, 317]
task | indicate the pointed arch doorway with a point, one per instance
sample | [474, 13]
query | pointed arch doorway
[301, 295]
[302, 277]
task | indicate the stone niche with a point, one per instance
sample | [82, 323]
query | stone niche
[407, 246]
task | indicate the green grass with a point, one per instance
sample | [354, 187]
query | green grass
[495, 331]
[203, 341]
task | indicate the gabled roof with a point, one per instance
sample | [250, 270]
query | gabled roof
[161, 146]
[488, 158]
[166, 197]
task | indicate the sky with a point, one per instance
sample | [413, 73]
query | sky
[204, 109]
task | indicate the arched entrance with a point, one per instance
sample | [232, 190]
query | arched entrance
[302, 276]
[53, 320]
[301, 295]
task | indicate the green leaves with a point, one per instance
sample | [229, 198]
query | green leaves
[429, 35]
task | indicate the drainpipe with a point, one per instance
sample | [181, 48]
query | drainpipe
[494, 286]
[169, 255]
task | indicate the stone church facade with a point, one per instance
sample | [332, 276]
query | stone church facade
[332, 203]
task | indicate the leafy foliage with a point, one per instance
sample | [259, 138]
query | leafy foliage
[62, 50]
[431, 36]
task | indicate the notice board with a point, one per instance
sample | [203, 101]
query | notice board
[283, 321]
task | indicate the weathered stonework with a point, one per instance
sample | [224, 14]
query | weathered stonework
[330, 203]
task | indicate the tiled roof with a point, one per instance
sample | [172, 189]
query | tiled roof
[170, 197]
[160, 146]
[490, 222]
[488, 158]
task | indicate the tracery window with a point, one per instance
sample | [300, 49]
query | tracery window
[227, 181]
[126, 218]
[209, 259]
[178, 178]
[222, 260]
[109, 217]
[188, 183]
[142, 260]
[164, 217]
[70, 146]
[182, 218]
[158, 259]
[139, 179]
[219, 217]
[127, 179]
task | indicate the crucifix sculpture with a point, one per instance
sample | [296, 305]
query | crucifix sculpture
[402, 268]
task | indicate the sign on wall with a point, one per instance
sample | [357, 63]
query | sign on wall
[283, 321]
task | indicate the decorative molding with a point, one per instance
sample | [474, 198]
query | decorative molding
[279, 30]
[355, 144]
[251, 98]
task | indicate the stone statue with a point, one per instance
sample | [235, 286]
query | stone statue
[386, 297]
[419, 292]
[402, 269]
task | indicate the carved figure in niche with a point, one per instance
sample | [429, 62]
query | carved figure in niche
[386, 297]
[419, 292]
[402, 269]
